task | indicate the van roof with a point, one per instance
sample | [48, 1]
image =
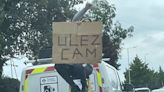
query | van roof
[38, 66]
[51, 64]
[108, 65]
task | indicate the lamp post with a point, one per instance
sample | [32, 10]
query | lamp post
[128, 55]
[145, 56]
[129, 66]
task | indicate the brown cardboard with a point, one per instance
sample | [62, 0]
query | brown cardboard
[77, 42]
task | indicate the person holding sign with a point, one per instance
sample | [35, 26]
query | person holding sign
[75, 71]
[73, 47]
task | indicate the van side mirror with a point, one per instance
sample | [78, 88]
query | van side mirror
[128, 88]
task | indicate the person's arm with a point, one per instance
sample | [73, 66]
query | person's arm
[79, 15]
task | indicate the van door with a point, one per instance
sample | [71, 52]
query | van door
[45, 82]
[114, 81]
[93, 83]
[38, 80]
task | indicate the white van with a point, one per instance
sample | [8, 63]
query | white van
[45, 78]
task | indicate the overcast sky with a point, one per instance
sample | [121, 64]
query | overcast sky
[147, 17]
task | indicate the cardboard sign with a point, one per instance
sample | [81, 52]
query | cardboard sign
[77, 42]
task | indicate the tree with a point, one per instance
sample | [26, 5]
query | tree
[157, 79]
[1, 11]
[7, 37]
[161, 77]
[141, 75]
[26, 26]
[113, 33]
[1, 36]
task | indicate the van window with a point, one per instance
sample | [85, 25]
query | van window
[113, 77]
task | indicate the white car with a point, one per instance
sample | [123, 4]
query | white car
[142, 89]
[158, 90]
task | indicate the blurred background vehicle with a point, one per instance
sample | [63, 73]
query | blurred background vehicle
[142, 89]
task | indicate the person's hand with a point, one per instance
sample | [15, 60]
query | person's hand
[88, 5]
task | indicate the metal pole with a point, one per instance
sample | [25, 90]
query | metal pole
[15, 70]
[129, 66]
[145, 57]
[11, 69]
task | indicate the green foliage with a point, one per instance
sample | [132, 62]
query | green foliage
[113, 33]
[27, 24]
[1, 11]
[161, 77]
[7, 37]
[142, 76]
[26, 27]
